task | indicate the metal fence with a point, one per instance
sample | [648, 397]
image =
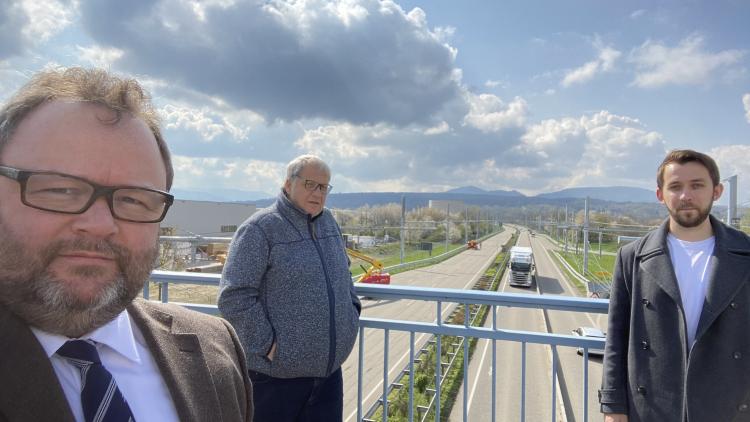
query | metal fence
[441, 297]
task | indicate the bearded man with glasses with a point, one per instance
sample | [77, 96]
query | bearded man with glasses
[84, 175]
[287, 290]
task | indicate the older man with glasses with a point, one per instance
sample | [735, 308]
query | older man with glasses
[287, 290]
[84, 175]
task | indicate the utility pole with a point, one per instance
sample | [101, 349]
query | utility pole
[447, 226]
[466, 225]
[403, 221]
[565, 229]
[586, 237]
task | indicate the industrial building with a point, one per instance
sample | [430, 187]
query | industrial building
[205, 218]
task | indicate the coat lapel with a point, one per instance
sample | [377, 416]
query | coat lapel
[30, 390]
[656, 262]
[730, 271]
[181, 361]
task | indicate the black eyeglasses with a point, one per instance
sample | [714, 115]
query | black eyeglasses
[68, 194]
[311, 185]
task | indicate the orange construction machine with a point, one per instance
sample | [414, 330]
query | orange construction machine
[374, 274]
[473, 244]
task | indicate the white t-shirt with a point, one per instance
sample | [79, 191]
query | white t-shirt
[124, 352]
[690, 261]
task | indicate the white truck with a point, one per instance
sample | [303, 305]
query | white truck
[521, 265]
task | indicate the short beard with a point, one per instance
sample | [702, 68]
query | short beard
[688, 223]
[42, 300]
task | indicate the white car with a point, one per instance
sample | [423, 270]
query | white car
[593, 333]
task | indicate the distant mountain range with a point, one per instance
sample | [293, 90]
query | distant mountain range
[473, 190]
[609, 193]
[472, 195]
[613, 193]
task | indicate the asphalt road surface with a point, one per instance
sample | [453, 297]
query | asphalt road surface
[569, 394]
[459, 272]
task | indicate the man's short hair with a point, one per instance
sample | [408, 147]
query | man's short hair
[294, 168]
[682, 156]
[96, 86]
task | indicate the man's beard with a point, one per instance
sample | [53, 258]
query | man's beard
[689, 222]
[35, 294]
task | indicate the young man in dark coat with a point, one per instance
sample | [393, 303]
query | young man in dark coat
[678, 347]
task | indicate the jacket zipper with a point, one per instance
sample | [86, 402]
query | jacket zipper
[331, 301]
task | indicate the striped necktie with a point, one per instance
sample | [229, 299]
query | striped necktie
[102, 401]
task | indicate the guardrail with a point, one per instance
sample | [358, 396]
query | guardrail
[397, 268]
[595, 288]
[440, 296]
[434, 259]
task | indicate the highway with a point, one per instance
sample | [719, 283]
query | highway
[538, 391]
[461, 272]
[458, 272]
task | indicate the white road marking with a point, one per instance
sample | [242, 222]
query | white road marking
[476, 380]
[379, 386]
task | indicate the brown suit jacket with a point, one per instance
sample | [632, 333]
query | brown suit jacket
[199, 357]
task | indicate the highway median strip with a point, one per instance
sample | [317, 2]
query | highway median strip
[452, 350]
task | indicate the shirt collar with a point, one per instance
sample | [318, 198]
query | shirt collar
[116, 334]
[287, 202]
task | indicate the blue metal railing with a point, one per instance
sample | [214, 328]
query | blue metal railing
[438, 328]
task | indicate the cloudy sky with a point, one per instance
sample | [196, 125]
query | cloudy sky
[414, 95]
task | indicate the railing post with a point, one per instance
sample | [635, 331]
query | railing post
[438, 374]
[585, 384]
[411, 376]
[385, 374]
[523, 381]
[494, 362]
[165, 292]
[554, 382]
[359, 371]
[466, 364]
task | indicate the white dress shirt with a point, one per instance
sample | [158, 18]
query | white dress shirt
[124, 352]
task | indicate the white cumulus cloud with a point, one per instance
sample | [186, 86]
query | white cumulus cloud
[488, 113]
[99, 56]
[209, 123]
[358, 61]
[593, 150]
[343, 142]
[733, 160]
[605, 62]
[688, 63]
[227, 173]
[47, 17]
[26, 24]
[746, 103]
[439, 129]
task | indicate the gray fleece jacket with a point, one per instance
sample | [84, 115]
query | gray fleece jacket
[287, 280]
